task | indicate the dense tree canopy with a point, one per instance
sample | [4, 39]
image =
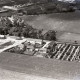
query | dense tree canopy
[17, 27]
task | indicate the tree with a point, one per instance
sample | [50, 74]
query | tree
[50, 35]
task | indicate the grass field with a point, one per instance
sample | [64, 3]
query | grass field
[11, 75]
[23, 67]
[70, 37]
[61, 22]
[67, 25]
[65, 22]
[58, 21]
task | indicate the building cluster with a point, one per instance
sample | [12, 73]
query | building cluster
[35, 42]
[32, 47]
[48, 49]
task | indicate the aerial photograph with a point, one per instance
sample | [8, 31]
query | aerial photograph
[39, 39]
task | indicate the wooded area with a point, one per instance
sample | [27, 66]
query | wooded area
[19, 28]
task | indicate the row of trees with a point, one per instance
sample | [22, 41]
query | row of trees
[18, 28]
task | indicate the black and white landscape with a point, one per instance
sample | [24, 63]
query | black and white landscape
[39, 39]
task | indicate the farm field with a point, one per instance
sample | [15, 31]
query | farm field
[69, 22]
[22, 67]
[11, 75]
[63, 23]
[70, 37]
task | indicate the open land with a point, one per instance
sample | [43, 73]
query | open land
[68, 22]
[22, 67]
[68, 27]
[63, 23]
[11, 75]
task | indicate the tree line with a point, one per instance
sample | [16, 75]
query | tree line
[17, 27]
